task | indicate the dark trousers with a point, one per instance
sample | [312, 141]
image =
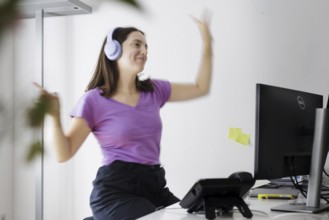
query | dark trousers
[126, 191]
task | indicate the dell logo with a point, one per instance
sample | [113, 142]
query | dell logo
[300, 102]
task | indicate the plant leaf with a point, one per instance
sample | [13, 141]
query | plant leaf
[36, 114]
[8, 14]
[132, 3]
[35, 150]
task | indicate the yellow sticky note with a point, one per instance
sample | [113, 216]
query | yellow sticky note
[243, 139]
[237, 135]
[234, 133]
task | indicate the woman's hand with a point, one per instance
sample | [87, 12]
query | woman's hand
[203, 25]
[201, 87]
[65, 144]
[51, 99]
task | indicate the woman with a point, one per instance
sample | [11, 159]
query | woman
[121, 108]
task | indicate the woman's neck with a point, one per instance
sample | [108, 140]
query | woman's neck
[127, 85]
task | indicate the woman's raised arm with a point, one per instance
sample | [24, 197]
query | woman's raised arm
[201, 87]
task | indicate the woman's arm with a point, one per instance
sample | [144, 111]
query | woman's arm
[65, 144]
[201, 87]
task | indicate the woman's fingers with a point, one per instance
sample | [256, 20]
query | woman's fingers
[41, 89]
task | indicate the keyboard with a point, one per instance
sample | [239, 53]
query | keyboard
[283, 189]
[284, 193]
[275, 189]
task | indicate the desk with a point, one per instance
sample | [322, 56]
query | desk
[261, 209]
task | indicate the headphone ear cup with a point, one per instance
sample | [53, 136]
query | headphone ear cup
[143, 76]
[112, 49]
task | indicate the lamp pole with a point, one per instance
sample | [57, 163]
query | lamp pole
[39, 67]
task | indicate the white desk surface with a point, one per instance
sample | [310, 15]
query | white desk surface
[261, 209]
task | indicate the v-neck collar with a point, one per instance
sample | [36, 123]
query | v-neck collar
[127, 105]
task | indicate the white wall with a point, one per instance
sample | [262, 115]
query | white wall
[17, 182]
[24, 94]
[278, 42]
[6, 129]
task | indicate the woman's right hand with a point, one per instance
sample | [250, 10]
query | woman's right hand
[52, 100]
[65, 144]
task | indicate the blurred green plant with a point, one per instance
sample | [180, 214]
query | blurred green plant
[133, 3]
[36, 113]
[8, 14]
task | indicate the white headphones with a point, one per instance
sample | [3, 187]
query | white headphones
[143, 76]
[112, 48]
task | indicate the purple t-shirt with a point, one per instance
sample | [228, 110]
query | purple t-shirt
[124, 132]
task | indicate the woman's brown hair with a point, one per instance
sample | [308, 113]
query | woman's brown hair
[106, 74]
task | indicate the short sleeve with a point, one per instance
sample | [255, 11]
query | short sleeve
[162, 91]
[83, 109]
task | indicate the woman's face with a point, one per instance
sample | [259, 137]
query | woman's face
[134, 53]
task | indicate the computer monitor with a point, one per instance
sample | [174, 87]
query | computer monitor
[291, 139]
[285, 121]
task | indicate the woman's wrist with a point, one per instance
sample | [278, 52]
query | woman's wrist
[56, 121]
[207, 50]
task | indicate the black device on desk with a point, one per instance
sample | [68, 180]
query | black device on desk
[219, 195]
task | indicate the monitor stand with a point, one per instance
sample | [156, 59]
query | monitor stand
[301, 208]
[319, 155]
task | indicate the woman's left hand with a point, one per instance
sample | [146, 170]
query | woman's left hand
[203, 25]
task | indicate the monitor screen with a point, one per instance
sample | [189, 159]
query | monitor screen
[285, 121]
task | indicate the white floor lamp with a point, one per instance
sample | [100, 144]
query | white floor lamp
[39, 9]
